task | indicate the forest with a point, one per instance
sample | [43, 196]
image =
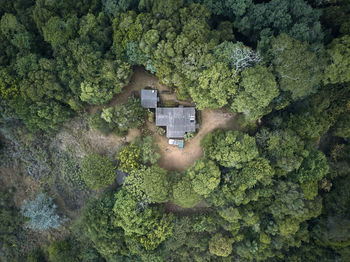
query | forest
[273, 185]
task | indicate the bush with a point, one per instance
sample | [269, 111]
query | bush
[129, 158]
[60, 251]
[97, 171]
[98, 123]
[188, 136]
[160, 131]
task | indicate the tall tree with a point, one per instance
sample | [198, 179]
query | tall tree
[298, 69]
[258, 88]
[337, 70]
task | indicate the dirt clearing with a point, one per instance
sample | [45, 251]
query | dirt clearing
[172, 158]
[175, 159]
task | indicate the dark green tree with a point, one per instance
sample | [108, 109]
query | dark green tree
[298, 70]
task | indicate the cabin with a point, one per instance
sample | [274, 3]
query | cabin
[177, 120]
[149, 98]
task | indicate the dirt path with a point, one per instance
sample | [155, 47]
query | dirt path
[200, 207]
[175, 159]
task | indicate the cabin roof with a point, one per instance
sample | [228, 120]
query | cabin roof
[149, 98]
[177, 120]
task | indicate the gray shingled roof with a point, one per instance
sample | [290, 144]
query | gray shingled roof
[178, 120]
[149, 98]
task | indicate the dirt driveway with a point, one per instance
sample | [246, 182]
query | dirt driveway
[175, 159]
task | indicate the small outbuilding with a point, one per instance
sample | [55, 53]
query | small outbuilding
[149, 98]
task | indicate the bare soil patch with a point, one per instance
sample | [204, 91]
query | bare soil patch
[175, 159]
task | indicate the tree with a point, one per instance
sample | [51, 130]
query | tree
[148, 184]
[313, 168]
[299, 71]
[156, 184]
[41, 213]
[229, 149]
[246, 185]
[220, 246]
[184, 194]
[113, 7]
[258, 170]
[94, 94]
[216, 86]
[283, 148]
[337, 70]
[259, 89]
[297, 19]
[97, 222]
[16, 33]
[97, 171]
[342, 126]
[148, 225]
[309, 124]
[129, 158]
[204, 176]
[289, 208]
[58, 31]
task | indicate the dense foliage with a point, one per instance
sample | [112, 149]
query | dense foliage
[97, 171]
[274, 188]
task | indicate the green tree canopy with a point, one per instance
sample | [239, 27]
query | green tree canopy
[217, 85]
[313, 168]
[342, 126]
[97, 222]
[229, 149]
[299, 71]
[220, 246]
[156, 184]
[204, 176]
[337, 70]
[258, 88]
[129, 158]
[184, 194]
[283, 148]
[122, 117]
[148, 224]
